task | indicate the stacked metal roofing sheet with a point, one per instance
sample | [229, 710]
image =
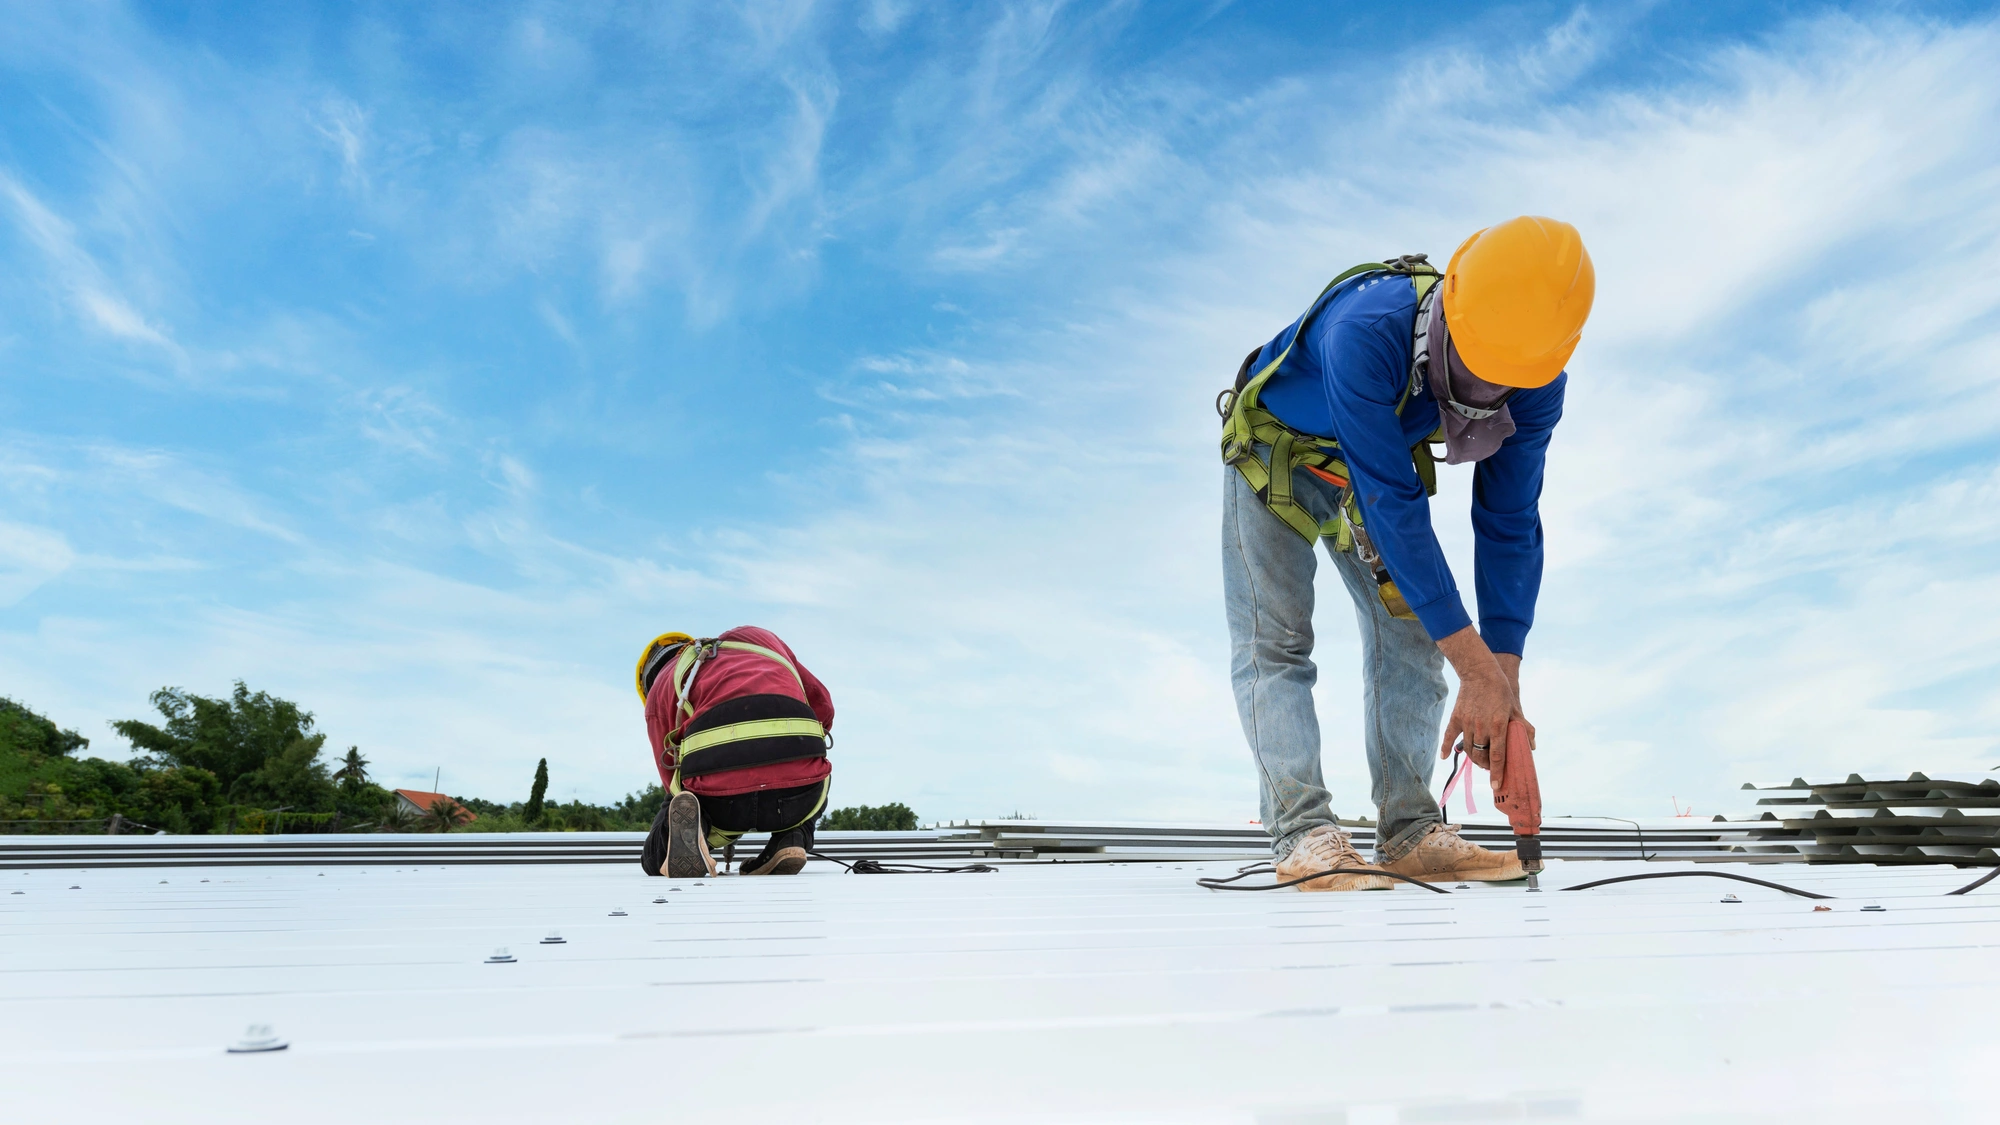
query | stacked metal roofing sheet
[377, 849]
[1916, 819]
[1563, 837]
[1921, 818]
[1007, 840]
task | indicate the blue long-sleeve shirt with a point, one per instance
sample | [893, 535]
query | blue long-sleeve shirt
[1343, 382]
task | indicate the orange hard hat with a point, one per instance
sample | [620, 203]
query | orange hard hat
[1515, 298]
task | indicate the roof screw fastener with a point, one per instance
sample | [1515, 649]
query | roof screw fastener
[616, 914]
[501, 957]
[1731, 898]
[1874, 906]
[258, 1038]
[555, 938]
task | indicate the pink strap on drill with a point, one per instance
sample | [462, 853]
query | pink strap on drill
[1461, 778]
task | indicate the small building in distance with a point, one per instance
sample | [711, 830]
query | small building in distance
[416, 802]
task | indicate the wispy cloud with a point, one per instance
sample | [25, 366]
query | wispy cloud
[76, 276]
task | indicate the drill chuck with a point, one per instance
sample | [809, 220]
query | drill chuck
[1528, 849]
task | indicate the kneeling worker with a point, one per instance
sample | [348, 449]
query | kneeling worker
[1327, 434]
[739, 733]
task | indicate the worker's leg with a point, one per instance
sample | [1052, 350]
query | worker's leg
[1403, 699]
[675, 847]
[1267, 587]
[789, 815]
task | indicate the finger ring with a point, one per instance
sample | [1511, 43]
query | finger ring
[1479, 746]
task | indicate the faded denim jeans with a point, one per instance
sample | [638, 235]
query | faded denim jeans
[1267, 586]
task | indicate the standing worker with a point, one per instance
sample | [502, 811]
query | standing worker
[1327, 435]
[740, 732]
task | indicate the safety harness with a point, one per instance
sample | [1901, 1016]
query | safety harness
[1247, 425]
[750, 730]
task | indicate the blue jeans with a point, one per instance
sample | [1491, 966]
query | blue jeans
[1267, 586]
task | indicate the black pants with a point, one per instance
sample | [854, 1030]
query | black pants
[766, 810]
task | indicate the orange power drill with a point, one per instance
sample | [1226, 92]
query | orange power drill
[1516, 792]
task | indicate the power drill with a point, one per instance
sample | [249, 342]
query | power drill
[1517, 793]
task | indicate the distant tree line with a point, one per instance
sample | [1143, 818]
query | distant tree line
[253, 763]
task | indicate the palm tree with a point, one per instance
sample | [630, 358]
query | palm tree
[445, 814]
[353, 771]
[396, 818]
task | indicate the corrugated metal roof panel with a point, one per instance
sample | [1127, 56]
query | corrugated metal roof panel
[1111, 992]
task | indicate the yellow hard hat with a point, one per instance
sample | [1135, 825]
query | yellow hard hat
[664, 640]
[1515, 298]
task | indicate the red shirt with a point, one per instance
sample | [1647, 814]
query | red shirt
[731, 674]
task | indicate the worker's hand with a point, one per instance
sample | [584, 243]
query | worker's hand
[1487, 697]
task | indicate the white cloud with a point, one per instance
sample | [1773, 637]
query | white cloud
[344, 125]
[77, 275]
[29, 557]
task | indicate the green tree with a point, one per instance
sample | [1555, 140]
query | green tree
[23, 732]
[532, 811]
[444, 815]
[353, 771]
[294, 777]
[637, 810]
[177, 799]
[864, 818]
[396, 817]
[43, 784]
[231, 738]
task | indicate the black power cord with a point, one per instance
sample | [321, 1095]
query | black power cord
[1976, 883]
[1696, 875]
[1267, 869]
[877, 867]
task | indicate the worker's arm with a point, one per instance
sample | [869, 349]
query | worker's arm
[1507, 520]
[1366, 376]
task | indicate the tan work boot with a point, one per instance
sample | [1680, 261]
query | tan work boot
[1323, 849]
[1443, 856]
[687, 844]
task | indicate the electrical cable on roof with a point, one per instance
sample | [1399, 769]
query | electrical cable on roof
[1976, 883]
[877, 867]
[1697, 875]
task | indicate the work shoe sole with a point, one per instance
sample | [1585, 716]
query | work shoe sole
[1346, 883]
[785, 861]
[687, 852]
[1512, 873]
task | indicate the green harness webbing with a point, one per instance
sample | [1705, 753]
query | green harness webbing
[1246, 425]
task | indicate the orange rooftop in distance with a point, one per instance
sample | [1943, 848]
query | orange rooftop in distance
[419, 802]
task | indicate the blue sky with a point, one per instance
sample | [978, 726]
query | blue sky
[419, 363]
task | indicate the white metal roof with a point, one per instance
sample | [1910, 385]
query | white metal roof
[1040, 992]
